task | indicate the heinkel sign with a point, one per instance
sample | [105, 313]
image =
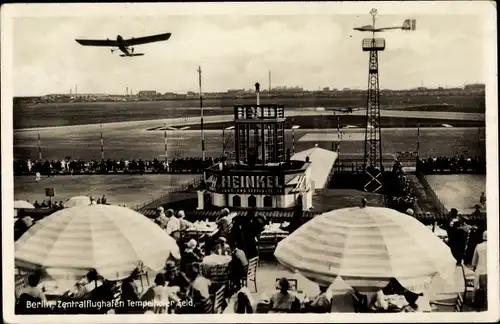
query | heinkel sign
[252, 184]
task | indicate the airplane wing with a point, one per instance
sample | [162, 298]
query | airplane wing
[185, 128]
[148, 39]
[97, 42]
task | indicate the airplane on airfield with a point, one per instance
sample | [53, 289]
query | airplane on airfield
[179, 128]
[124, 45]
[408, 24]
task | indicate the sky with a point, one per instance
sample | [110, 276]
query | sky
[236, 50]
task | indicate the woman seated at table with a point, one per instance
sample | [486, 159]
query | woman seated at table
[221, 247]
[282, 301]
[160, 296]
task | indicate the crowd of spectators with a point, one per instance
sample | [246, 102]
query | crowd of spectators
[400, 193]
[455, 164]
[24, 222]
[71, 166]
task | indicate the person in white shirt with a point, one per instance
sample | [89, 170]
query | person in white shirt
[174, 226]
[479, 265]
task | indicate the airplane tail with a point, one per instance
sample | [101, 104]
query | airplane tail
[136, 54]
[410, 24]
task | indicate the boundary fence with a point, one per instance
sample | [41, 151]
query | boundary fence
[435, 200]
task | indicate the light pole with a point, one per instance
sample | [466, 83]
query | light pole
[294, 127]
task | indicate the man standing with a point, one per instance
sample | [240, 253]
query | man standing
[479, 265]
[245, 231]
[239, 264]
[457, 235]
[174, 225]
[482, 199]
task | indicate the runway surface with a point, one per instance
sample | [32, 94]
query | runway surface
[183, 121]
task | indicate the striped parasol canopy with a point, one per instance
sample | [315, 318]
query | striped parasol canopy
[110, 239]
[22, 204]
[77, 201]
[366, 247]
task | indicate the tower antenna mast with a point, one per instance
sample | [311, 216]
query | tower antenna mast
[372, 161]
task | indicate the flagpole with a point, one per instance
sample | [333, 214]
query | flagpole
[201, 112]
[338, 137]
[39, 146]
[165, 140]
[418, 140]
[102, 145]
[223, 142]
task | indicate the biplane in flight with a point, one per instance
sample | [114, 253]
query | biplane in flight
[408, 24]
[124, 45]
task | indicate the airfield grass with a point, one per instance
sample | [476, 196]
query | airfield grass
[64, 114]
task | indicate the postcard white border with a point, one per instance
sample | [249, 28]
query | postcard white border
[484, 8]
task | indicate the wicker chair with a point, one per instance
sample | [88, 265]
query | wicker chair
[251, 273]
[360, 303]
[219, 300]
[457, 305]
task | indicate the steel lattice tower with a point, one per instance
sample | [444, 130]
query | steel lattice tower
[372, 162]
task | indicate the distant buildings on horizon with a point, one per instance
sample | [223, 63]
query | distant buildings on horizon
[279, 91]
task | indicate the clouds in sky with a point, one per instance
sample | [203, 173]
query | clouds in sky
[235, 51]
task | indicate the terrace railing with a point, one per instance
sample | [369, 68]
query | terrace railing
[162, 199]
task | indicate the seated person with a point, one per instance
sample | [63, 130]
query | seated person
[221, 247]
[183, 223]
[282, 301]
[103, 293]
[200, 288]
[159, 295]
[417, 302]
[322, 302]
[32, 289]
[238, 267]
[176, 278]
[31, 293]
[392, 288]
[21, 226]
[241, 303]
[190, 256]
[80, 290]
[130, 292]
